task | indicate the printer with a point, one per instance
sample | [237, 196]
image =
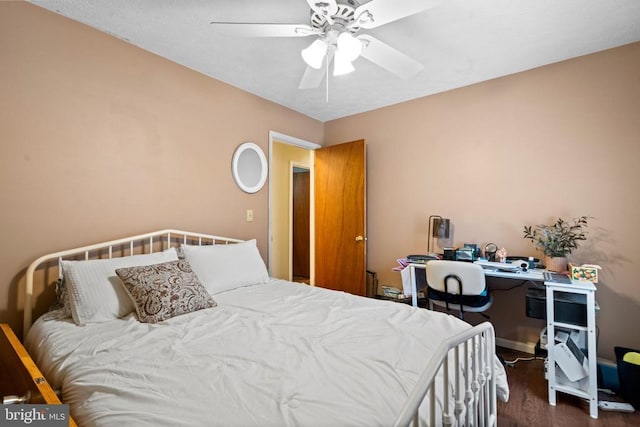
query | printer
[568, 355]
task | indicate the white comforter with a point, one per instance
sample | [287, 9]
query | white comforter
[280, 354]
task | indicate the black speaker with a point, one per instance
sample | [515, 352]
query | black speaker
[449, 254]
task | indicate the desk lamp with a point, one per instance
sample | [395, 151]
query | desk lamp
[440, 229]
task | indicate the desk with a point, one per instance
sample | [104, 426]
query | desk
[557, 380]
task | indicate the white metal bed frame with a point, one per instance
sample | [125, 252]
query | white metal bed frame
[465, 362]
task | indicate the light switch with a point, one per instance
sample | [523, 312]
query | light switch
[249, 215]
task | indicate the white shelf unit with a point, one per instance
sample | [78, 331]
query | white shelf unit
[587, 387]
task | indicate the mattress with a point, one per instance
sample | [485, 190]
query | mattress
[275, 354]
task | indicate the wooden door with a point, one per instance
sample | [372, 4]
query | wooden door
[340, 217]
[300, 233]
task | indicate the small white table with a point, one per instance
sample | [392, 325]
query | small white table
[586, 388]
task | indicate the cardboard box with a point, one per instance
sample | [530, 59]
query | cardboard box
[586, 272]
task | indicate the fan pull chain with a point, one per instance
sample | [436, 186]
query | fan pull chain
[326, 62]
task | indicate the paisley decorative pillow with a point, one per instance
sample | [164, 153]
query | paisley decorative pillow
[163, 291]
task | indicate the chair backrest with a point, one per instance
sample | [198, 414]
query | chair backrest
[471, 275]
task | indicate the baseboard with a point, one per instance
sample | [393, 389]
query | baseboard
[525, 347]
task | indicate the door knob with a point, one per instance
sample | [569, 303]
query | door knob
[360, 238]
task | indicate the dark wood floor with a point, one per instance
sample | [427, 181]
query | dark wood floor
[528, 404]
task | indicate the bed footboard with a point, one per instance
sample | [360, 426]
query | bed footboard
[459, 383]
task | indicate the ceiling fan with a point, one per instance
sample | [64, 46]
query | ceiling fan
[335, 23]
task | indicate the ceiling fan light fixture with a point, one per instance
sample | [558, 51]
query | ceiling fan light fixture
[342, 64]
[315, 53]
[349, 45]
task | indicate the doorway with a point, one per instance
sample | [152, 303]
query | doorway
[337, 209]
[286, 155]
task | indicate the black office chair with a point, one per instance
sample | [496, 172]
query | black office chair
[459, 286]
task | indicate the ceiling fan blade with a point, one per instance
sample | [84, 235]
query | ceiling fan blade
[385, 11]
[327, 8]
[389, 58]
[312, 78]
[245, 29]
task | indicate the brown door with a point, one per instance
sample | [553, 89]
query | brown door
[301, 210]
[340, 217]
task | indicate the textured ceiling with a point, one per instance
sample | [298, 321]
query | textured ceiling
[459, 42]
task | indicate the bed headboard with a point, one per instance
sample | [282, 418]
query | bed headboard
[127, 246]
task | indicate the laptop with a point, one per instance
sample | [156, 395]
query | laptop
[550, 276]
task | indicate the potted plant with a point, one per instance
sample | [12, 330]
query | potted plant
[557, 240]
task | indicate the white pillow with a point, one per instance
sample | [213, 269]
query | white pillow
[225, 267]
[95, 292]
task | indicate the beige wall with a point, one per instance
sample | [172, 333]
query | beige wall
[561, 140]
[100, 139]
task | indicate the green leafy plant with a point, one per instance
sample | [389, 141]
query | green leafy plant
[558, 239]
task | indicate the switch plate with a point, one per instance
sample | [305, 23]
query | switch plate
[249, 215]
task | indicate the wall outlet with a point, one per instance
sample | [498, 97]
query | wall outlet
[249, 215]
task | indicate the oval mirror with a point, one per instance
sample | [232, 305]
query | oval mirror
[249, 167]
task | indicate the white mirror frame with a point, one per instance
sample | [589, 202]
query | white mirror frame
[239, 168]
